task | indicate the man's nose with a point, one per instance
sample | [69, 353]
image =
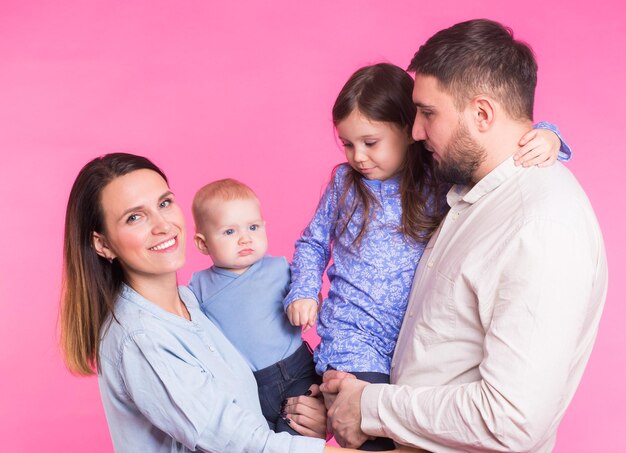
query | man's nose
[418, 131]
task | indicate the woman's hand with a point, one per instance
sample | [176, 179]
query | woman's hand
[307, 414]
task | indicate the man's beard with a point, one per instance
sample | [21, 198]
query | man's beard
[462, 158]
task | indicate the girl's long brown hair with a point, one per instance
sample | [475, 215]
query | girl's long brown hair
[90, 283]
[383, 93]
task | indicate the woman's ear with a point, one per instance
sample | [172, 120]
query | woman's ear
[100, 245]
[200, 242]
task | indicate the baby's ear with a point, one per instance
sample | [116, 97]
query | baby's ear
[200, 242]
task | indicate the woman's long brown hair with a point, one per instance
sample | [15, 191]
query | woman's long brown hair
[90, 283]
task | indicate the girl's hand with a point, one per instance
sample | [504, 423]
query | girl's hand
[539, 147]
[302, 312]
[307, 414]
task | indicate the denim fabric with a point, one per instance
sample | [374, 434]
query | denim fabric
[169, 384]
[290, 377]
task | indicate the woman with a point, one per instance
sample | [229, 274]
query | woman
[169, 380]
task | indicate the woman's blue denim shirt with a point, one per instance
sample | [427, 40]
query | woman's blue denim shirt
[169, 384]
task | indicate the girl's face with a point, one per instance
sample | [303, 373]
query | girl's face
[144, 228]
[374, 149]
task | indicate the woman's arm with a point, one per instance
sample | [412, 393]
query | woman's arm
[193, 400]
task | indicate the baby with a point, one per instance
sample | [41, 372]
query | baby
[243, 294]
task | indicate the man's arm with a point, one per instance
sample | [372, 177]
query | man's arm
[535, 348]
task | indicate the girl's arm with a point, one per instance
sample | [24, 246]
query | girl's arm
[313, 248]
[542, 146]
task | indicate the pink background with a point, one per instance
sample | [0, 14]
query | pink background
[210, 90]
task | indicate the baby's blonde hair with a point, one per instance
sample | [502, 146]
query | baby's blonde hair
[223, 190]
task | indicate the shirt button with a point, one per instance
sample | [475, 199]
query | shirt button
[411, 315]
[430, 264]
[211, 348]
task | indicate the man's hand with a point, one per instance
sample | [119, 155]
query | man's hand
[342, 394]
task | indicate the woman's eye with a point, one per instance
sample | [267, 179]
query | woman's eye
[165, 203]
[132, 218]
[229, 232]
[426, 113]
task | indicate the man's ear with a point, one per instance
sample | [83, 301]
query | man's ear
[200, 242]
[483, 111]
[101, 246]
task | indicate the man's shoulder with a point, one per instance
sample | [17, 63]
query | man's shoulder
[544, 200]
[551, 192]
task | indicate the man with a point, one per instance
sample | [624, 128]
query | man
[507, 298]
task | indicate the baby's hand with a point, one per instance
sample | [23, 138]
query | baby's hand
[539, 147]
[302, 312]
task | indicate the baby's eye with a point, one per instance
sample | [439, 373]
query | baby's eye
[346, 144]
[229, 232]
[254, 227]
[370, 143]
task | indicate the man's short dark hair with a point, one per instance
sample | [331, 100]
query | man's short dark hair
[481, 57]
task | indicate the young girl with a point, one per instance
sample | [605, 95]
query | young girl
[374, 220]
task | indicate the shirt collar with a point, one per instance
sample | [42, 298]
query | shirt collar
[129, 294]
[493, 180]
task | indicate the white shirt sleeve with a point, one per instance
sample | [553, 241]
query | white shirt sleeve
[544, 313]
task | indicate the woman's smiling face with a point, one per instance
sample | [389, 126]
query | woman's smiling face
[144, 228]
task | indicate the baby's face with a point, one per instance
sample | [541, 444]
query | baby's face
[234, 232]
